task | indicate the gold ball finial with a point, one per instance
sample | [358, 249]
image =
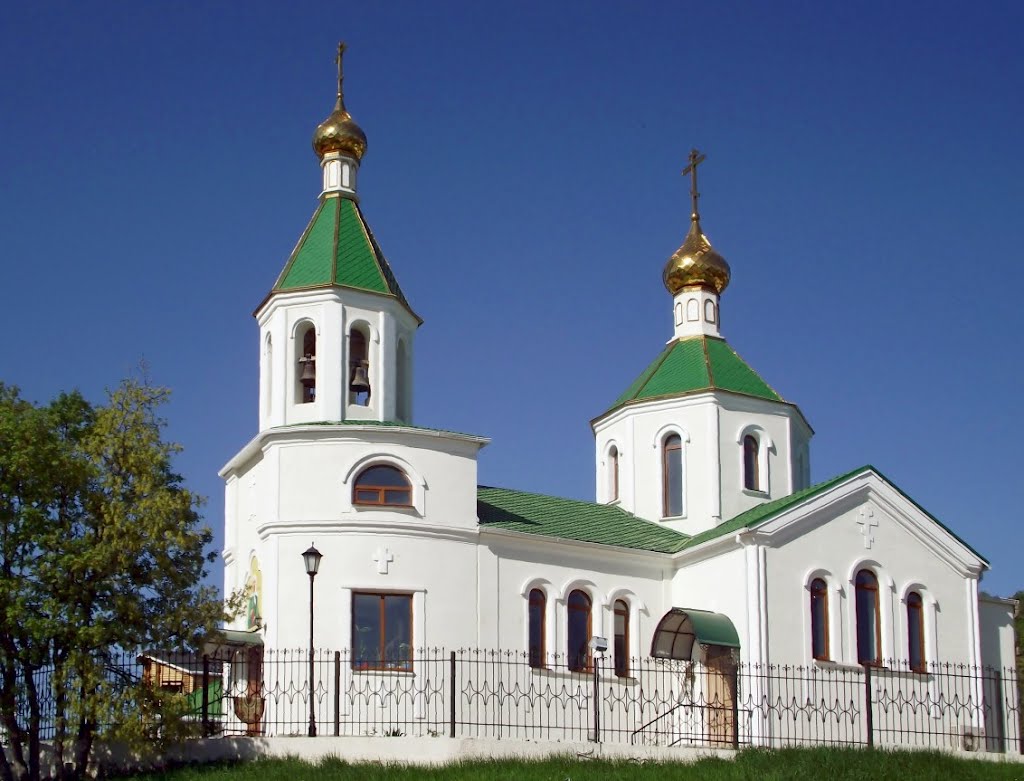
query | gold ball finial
[339, 132]
[695, 263]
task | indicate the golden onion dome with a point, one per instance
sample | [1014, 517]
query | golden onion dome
[696, 264]
[339, 132]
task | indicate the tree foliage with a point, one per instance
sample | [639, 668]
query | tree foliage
[102, 551]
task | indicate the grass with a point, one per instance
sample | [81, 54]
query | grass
[788, 764]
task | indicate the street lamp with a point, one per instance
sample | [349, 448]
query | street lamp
[311, 557]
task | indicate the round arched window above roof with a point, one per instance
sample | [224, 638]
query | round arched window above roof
[382, 484]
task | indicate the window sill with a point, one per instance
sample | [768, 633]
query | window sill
[674, 517]
[401, 509]
[828, 664]
[752, 492]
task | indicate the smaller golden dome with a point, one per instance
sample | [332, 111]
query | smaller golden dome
[339, 133]
[696, 264]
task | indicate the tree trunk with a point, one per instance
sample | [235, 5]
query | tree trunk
[34, 723]
[83, 747]
[14, 752]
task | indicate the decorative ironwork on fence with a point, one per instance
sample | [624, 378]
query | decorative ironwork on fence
[500, 694]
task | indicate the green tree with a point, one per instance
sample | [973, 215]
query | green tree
[102, 551]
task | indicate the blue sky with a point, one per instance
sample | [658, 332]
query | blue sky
[863, 179]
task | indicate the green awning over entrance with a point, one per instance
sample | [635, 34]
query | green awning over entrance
[681, 627]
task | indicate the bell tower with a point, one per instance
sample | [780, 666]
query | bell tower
[336, 331]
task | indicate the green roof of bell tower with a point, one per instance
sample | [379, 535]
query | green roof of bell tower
[693, 365]
[338, 249]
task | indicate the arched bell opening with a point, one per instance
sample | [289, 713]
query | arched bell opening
[305, 388]
[358, 367]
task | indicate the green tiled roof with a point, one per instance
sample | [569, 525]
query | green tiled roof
[338, 249]
[694, 364]
[571, 519]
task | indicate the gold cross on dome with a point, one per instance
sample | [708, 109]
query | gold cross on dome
[341, 51]
[696, 158]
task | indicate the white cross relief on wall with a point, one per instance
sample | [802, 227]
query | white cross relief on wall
[866, 523]
[383, 557]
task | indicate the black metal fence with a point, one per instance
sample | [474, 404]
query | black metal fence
[498, 694]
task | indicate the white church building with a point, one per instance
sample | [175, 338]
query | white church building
[705, 539]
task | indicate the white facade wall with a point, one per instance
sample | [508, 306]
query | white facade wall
[866, 529]
[518, 563]
[998, 639]
[316, 467]
[716, 582]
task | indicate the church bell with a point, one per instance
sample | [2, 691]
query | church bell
[360, 382]
[308, 376]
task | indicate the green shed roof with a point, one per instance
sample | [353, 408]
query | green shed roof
[572, 519]
[338, 249]
[681, 627]
[692, 365]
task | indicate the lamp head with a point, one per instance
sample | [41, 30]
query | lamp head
[311, 556]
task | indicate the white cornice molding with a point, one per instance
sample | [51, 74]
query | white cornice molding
[326, 432]
[727, 399]
[378, 527]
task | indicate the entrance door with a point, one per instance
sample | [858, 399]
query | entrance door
[721, 696]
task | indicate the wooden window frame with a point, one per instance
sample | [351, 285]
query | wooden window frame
[916, 604]
[621, 664]
[751, 463]
[381, 665]
[571, 661]
[873, 589]
[537, 656]
[666, 447]
[381, 490]
[821, 592]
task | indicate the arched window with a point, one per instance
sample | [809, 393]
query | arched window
[621, 648]
[692, 310]
[579, 631]
[613, 473]
[307, 366]
[751, 471]
[915, 632]
[869, 621]
[672, 476]
[819, 619]
[709, 311]
[538, 608]
[358, 368]
[382, 485]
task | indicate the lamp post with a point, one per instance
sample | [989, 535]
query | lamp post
[311, 557]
